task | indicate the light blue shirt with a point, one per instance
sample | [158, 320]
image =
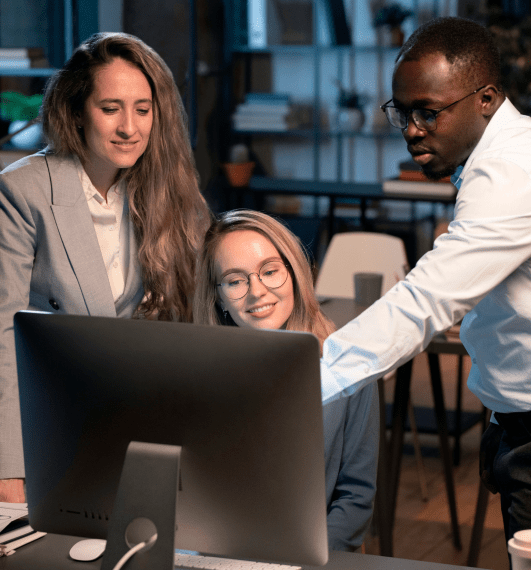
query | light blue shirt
[481, 268]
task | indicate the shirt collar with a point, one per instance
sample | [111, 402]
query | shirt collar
[89, 189]
[505, 114]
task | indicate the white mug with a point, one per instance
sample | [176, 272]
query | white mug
[520, 550]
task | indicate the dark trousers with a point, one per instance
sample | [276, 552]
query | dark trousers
[505, 467]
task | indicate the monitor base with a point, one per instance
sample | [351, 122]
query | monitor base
[145, 504]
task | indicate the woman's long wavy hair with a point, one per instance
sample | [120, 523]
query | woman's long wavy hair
[306, 315]
[168, 212]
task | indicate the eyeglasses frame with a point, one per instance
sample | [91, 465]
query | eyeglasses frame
[258, 275]
[409, 112]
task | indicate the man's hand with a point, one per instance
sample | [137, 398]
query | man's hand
[12, 491]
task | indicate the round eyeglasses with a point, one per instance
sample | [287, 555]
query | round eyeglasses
[272, 274]
[424, 119]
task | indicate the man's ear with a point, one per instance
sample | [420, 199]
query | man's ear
[491, 99]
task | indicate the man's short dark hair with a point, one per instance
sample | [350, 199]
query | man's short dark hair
[465, 43]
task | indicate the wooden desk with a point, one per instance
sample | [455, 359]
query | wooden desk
[51, 553]
[341, 311]
[263, 186]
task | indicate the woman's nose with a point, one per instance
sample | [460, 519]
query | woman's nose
[127, 125]
[256, 287]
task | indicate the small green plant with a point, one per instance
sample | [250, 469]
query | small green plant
[391, 15]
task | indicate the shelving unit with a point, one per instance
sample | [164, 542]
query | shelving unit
[362, 66]
[66, 23]
[310, 74]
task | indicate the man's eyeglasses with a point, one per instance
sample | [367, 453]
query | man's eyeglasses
[424, 119]
[272, 274]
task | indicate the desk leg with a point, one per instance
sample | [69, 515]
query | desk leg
[479, 521]
[442, 428]
[458, 406]
[403, 381]
[383, 508]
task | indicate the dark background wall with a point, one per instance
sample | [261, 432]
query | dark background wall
[165, 26]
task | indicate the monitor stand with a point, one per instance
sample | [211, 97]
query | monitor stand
[145, 504]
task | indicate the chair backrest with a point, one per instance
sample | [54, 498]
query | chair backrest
[355, 252]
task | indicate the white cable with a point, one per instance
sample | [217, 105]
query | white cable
[132, 551]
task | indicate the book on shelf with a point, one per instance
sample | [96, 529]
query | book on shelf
[428, 188]
[262, 111]
[259, 97]
[257, 109]
[15, 63]
[22, 58]
[21, 53]
[273, 127]
[275, 118]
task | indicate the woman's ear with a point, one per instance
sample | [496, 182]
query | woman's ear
[79, 120]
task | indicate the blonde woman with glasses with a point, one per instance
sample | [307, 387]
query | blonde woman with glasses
[253, 272]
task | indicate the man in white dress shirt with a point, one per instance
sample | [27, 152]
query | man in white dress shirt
[449, 104]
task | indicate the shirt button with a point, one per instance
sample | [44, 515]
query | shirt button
[115, 264]
[111, 227]
[54, 304]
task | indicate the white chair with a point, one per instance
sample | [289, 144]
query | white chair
[354, 252]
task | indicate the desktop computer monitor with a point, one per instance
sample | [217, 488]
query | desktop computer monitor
[243, 404]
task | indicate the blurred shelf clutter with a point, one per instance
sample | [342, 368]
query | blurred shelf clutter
[22, 58]
[273, 112]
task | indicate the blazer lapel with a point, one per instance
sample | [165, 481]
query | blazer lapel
[134, 274]
[75, 225]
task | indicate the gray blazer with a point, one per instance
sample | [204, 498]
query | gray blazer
[50, 260]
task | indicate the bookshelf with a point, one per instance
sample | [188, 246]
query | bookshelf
[36, 37]
[344, 49]
[328, 152]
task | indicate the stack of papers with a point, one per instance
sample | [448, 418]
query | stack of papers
[15, 530]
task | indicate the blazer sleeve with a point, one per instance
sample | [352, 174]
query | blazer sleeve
[17, 254]
[351, 507]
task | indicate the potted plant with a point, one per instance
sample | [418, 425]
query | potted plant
[350, 109]
[392, 16]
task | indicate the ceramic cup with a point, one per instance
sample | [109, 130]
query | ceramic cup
[367, 287]
[520, 550]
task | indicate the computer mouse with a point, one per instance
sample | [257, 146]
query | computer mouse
[88, 549]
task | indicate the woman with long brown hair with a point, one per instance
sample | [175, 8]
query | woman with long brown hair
[253, 272]
[104, 221]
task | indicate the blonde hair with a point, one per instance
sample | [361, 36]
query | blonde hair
[306, 315]
[167, 209]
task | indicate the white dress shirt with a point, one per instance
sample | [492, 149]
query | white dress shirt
[481, 268]
[111, 222]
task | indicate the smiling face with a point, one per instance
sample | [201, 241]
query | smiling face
[433, 83]
[117, 120]
[246, 251]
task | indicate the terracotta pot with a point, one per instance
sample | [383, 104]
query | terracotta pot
[238, 173]
[397, 36]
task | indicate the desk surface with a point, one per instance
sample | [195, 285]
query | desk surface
[51, 553]
[361, 190]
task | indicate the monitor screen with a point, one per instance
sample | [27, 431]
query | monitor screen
[244, 405]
